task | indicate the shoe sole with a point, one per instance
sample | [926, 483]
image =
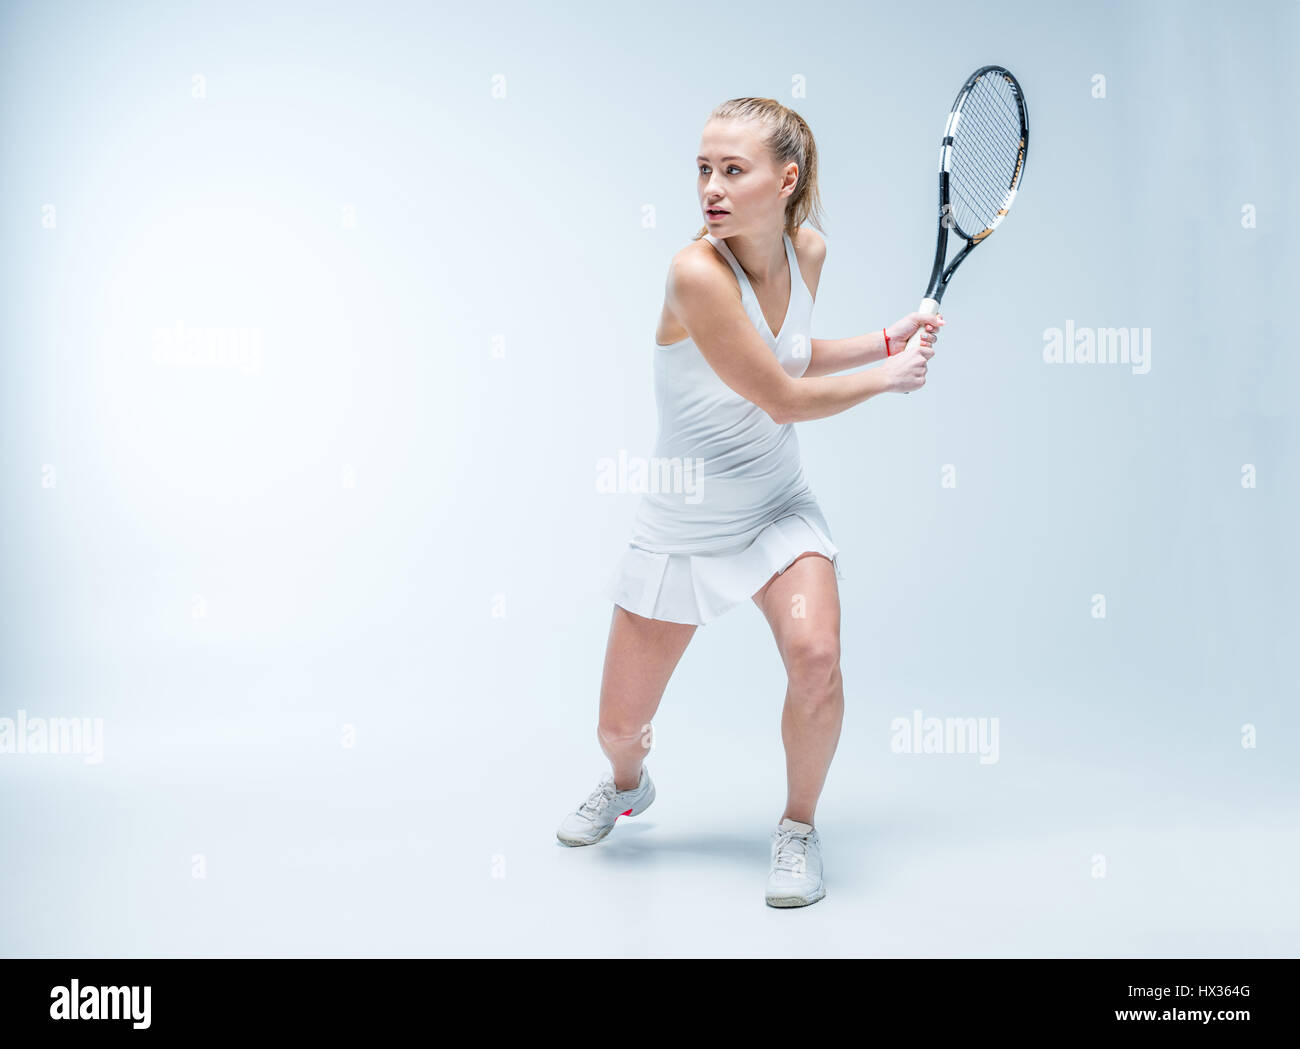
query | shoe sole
[795, 901]
[635, 810]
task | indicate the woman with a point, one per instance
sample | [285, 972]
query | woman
[735, 367]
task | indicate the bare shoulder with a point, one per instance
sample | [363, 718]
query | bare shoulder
[699, 267]
[698, 278]
[809, 244]
[810, 250]
[699, 258]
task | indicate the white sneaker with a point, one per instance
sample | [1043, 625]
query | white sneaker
[596, 816]
[796, 876]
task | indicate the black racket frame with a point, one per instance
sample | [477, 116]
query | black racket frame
[941, 275]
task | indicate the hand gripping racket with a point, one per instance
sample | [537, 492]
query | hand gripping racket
[981, 162]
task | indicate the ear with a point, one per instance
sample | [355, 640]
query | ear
[790, 179]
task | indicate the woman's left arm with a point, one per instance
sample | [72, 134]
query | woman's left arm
[828, 356]
[835, 355]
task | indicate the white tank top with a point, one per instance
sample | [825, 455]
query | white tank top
[739, 471]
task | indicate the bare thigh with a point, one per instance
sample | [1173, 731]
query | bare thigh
[640, 657]
[802, 605]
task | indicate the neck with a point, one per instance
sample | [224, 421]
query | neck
[761, 256]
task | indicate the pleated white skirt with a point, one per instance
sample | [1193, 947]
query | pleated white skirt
[698, 588]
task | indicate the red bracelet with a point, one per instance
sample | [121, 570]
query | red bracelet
[886, 335]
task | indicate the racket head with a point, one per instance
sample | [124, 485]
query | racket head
[982, 157]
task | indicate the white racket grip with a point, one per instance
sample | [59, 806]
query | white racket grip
[927, 306]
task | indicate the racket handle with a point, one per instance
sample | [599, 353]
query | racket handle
[927, 306]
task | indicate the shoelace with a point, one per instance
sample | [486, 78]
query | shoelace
[792, 851]
[598, 799]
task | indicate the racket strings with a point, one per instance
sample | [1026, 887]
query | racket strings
[992, 112]
[985, 149]
[986, 153]
[983, 146]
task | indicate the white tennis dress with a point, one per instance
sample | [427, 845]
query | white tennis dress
[728, 505]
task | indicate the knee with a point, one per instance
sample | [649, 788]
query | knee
[813, 661]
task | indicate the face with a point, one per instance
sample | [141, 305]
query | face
[739, 178]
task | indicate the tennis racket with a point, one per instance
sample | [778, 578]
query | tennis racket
[981, 162]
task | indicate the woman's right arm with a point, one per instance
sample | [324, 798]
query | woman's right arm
[705, 299]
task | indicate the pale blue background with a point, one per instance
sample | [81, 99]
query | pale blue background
[519, 222]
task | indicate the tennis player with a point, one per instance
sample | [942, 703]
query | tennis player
[735, 367]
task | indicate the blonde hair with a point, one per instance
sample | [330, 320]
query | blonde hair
[787, 137]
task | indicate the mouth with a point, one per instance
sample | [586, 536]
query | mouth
[715, 214]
